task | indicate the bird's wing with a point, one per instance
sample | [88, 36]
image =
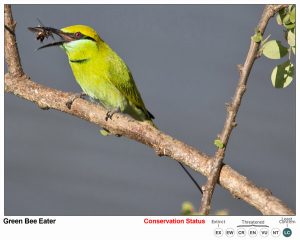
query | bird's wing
[121, 78]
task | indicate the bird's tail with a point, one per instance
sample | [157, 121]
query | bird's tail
[150, 122]
[149, 118]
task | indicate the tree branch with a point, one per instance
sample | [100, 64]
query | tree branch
[232, 109]
[163, 145]
[10, 44]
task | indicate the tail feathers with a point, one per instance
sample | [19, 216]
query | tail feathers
[146, 114]
[150, 115]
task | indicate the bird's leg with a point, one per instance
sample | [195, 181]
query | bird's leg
[73, 98]
[110, 113]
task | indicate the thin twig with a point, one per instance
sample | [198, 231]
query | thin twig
[164, 145]
[232, 110]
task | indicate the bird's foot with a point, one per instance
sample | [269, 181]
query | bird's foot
[110, 113]
[73, 98]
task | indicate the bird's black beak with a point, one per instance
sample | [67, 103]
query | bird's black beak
[45, 32]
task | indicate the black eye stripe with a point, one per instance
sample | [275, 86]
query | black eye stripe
[89, 38]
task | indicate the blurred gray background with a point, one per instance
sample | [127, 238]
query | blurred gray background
[183, 59]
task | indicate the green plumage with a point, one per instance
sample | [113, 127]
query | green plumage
[103, 75]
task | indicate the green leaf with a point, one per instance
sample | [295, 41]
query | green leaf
[278, 19]
[294, 50]
[257, 37]
[286, 19]
[291, 38]
[293, 15]
[104, 132]
[282, 75]
[274, 50]
[289, 26]
[218, 143]
[187, 208]
[282, 12]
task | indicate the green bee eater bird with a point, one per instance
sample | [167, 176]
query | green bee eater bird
[99, 71]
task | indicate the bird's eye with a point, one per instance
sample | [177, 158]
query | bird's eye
[78, 34]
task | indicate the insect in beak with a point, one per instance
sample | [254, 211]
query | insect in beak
[43, 32]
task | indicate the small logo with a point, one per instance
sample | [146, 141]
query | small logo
[218, 232]
[275, 232]
[229, 232]
[287, 232]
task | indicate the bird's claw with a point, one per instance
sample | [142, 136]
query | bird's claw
[110, 113]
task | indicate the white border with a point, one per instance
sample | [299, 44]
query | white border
[119, 227]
